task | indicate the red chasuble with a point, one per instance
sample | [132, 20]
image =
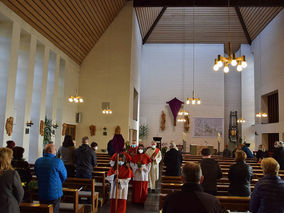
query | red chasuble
[125, 174]
[141, 165]
[132, 151]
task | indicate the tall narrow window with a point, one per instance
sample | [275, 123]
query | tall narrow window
[273, 108]
[135, 105]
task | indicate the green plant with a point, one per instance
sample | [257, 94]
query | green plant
[143, 131]
[47, 131]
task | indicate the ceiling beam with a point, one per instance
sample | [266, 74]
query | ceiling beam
[208, 3]
[154, 25]
[237, 9]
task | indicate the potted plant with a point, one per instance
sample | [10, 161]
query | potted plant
[143, 131]
[47, 131]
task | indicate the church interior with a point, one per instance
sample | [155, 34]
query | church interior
[201, 78]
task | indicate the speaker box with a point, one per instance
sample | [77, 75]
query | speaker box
[78, 117]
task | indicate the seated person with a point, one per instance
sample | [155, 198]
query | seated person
[247, 151]
[191, 198]
[211, 172]
[261, 153]
[268, 192]
[240, 175]
[227, 153]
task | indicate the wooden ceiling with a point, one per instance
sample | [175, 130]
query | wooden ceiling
[175, 24]
[74, 26]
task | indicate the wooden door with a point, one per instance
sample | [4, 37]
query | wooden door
[71, 130]
[272, 137]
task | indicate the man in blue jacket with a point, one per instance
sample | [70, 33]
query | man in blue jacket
[51, 173]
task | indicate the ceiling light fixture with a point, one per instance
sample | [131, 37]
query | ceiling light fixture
[231, 59]
[76, 98]
[261, 115]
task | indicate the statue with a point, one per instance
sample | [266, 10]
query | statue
[186, 123]
[41, 128]
[64, 127]
[163, 121]
[92, 130]
[9, 125]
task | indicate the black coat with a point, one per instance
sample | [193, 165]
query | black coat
[279, 156]
[211, 172]
[23, 168]
[173, 162]
[110, 150]
[240, 175]
[11, 192]
[191, 199]
[227, 153]
[85, 159]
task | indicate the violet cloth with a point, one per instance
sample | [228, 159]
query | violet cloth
[118, 143]
[175, 105]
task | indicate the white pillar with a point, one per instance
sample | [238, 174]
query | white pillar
[29, 94]
[43, 96]
[12, 76]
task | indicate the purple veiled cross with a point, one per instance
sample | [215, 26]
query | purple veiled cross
[175, 105]
[117, 143]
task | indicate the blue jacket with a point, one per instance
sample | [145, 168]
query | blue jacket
[248, 152]
[51, 173]
[268, 195]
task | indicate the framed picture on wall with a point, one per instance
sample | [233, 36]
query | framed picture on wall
[207, 127]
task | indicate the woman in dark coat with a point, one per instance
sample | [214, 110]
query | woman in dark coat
[240, 175]
[173, 161]
[11, 190]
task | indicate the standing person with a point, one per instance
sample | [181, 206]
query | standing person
[85, 160]
[11, 190]
[227, 153]
[126, 155]
[51, 174]
[261, 153]
[173, 161]
[21, 165]
[141, 165]
[10, 144]
[132, 149]
[122, 177]
[156, 156]
[240, 175]
[191, 198]
[268, 192]
[110, 150]
[211, 172]
[279, 154]
[66, 153]
[247, 151]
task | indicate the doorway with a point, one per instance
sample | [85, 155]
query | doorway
[71, 130]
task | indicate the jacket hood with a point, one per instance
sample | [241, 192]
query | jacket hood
[84, 147]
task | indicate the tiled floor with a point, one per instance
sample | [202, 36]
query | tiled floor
[151, 205]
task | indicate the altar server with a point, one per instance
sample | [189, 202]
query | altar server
[156, 156]
[132, 150]
[121, 178]
[141, 165]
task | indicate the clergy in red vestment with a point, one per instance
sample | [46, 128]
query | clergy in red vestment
[122, 176]
[127, 158]
[132, 150]
[141, 165]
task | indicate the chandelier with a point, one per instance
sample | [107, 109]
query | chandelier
[107, 111]
[241, 120]
[193, 100]
[181, 120]
[106, 108]
[182, 113]
[76, 98]
[261, 115]
[231, 59]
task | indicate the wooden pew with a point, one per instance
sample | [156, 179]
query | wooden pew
[35, 208]
[234, 203]
[70, 201]
[101, 185]
[87, 190]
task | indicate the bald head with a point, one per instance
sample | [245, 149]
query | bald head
[50, 149]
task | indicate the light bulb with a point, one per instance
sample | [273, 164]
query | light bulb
[187, 102]
[216, 67]
[70, 100]
[226, 69]
[220, 64]
[199, 102]
[239, 68]
[193, 101]
[234, 62]
[258, 115]
[264, 115]
[104, 112]
[76, 100]
[110, 112]
[244, 64]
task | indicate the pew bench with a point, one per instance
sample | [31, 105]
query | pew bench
[35, 208]
[234, 203]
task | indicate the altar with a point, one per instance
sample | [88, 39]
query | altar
[196, 149]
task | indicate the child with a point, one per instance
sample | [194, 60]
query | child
[119, 177]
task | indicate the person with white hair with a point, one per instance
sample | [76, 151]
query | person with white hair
[156, 156]
[173, 161]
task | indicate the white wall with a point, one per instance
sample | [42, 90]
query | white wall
[108, 74]
[162, 80]
[31, 73]
[269, 75]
